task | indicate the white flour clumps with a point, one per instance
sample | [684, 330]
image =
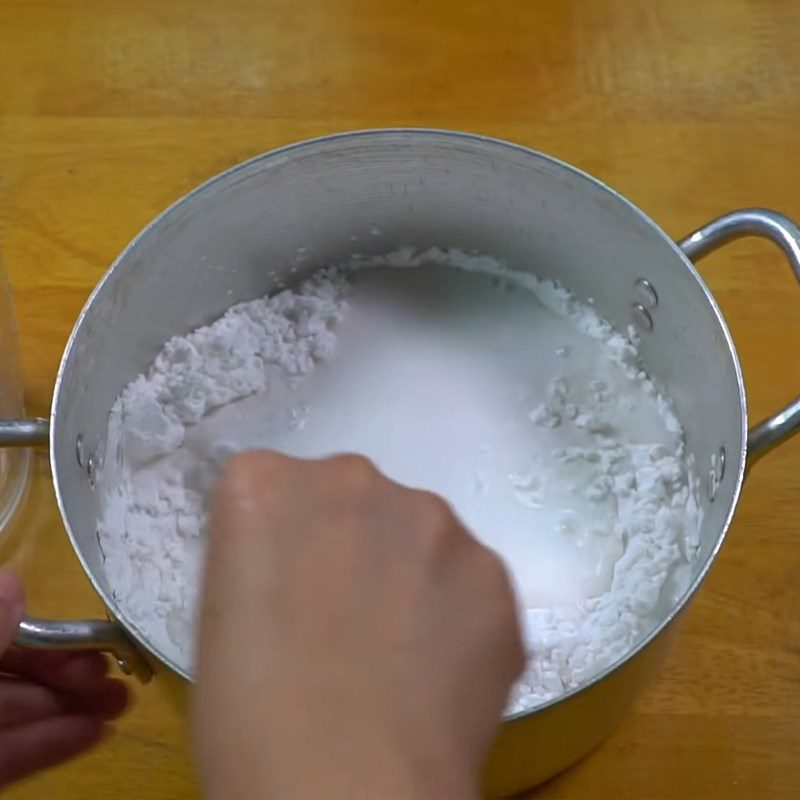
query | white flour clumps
[651, 486]
[607, 474]
[150, 530]
[656, 519]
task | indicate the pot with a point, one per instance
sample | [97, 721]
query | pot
[238, 235]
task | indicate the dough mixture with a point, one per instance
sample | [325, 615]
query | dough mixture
[503, 393]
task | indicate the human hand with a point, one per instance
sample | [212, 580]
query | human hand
[53, 705]
[355, 640]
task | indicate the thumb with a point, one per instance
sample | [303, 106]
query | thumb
[12, 607]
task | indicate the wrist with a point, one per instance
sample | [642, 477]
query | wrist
[338, 769]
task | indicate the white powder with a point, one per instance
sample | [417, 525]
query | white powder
[152, 518]
[534, 419]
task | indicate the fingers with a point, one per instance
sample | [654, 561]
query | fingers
[12, 606]
[237, 546]
[22, 702]
[68, 670]
[55, 706]
[37, 745]
[78, 678]
[110, 699]
[78, 672]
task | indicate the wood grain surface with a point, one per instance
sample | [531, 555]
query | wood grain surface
[111, 109]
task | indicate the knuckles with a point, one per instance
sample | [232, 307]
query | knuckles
[435, 525]
[355, 473]
[493, 573]
[490, 577]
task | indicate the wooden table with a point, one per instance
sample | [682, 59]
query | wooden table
[112, 109]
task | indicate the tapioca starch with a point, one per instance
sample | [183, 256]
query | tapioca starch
[530, 414]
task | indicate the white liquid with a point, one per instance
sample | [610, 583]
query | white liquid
[434, 377]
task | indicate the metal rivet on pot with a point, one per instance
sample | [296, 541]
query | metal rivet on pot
[123, 665]
[91, 469]
[79, 454]
[713, 484]
[641, 316]
[646, 293]
[719, 465]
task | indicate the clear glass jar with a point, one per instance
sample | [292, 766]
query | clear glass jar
[14, 461]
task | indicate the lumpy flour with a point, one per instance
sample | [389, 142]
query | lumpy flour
[502, 393]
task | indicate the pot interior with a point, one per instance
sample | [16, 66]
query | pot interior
[238, 236]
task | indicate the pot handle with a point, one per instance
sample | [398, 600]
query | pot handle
[24, 432]
[786, 234]
[84, 634]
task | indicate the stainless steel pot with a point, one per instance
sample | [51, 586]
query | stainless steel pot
[241, 233]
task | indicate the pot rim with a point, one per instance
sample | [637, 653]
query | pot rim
[444, 134]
